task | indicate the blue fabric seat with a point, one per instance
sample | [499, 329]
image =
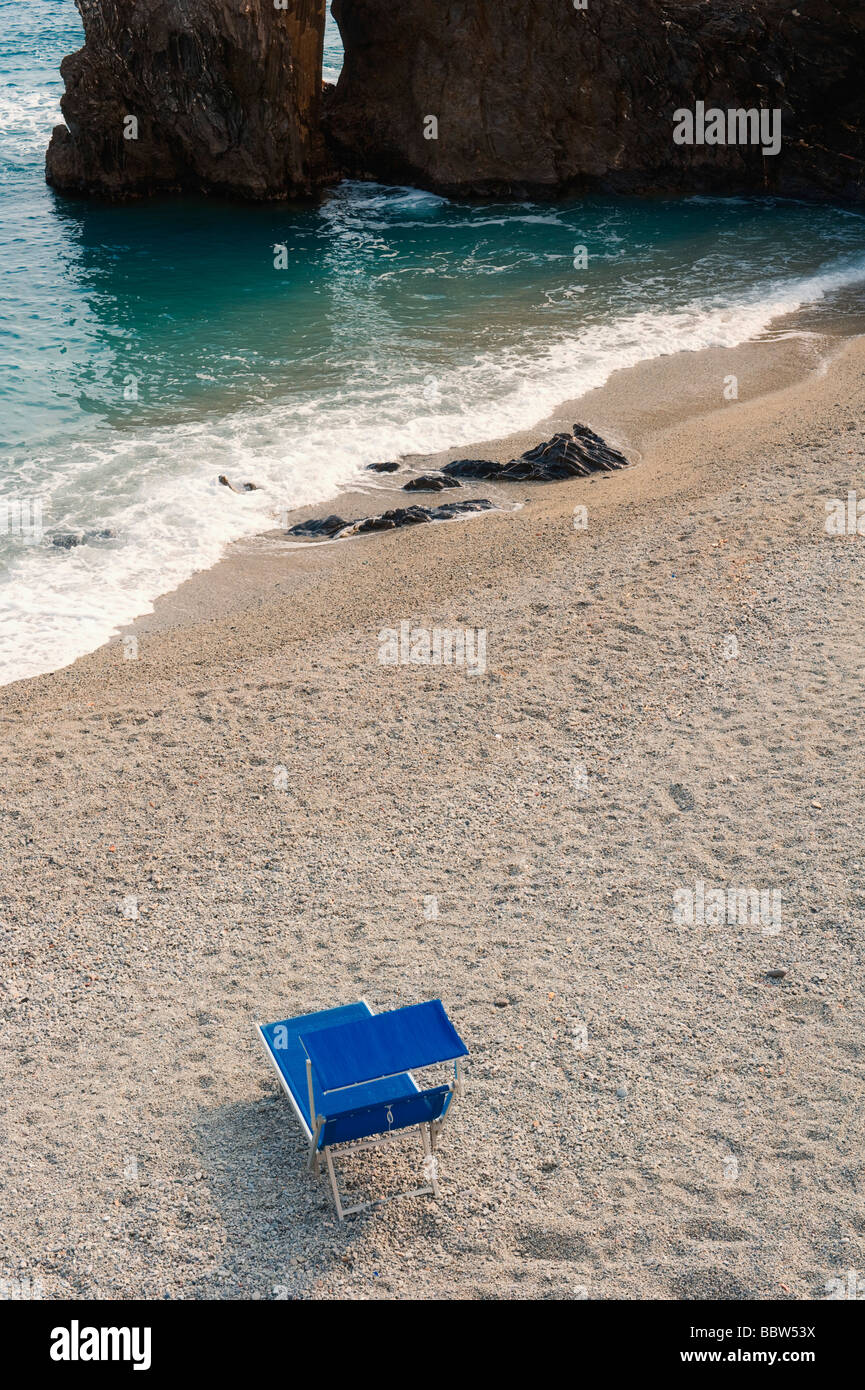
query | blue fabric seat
[385, 1116]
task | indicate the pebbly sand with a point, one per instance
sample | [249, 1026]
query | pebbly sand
[256, 818]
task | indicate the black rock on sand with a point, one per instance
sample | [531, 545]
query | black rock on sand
[332, 526]
[564, 456]
[430, 482]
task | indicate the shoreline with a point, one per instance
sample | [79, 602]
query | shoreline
[250, 820]
[632, 408]
[632, 404]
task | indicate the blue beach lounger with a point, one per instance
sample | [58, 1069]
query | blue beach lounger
[348, 1075]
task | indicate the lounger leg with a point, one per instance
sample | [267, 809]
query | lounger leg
[334, 1185]
[438, 1125]
[426, 1136]
[313, 1159]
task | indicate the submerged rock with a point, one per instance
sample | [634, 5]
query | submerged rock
[67, 540]
[573, 455]
[430, 482]
[244, 487]
[382, 467]
[387, 521]
[194, 95]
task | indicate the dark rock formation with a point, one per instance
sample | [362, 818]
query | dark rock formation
[429, 482]
[518, 97]
[382, 467]
[475, 468]
[564, 456]
[388, 521]
[226, 95]
[532, 96]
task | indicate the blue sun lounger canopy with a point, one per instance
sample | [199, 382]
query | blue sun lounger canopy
[348, 1075]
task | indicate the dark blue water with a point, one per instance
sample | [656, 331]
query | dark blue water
[147, 348]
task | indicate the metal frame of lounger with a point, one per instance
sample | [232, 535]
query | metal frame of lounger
[430, 1132]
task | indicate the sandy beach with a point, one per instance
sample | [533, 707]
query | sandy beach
[242, 814]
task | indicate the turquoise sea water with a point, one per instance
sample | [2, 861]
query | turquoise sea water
[333, 51]
[148, 347]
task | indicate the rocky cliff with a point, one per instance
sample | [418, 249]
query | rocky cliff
[214, 95]
[463, 96]
[528, 96]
